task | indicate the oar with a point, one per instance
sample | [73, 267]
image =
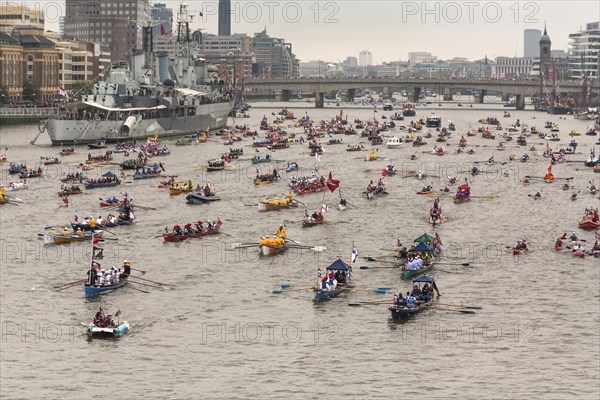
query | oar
[157, 283]
[367, 267]
[385, 262]
[146, 284]
[13, 198]
[139, 290]
[465, 264]
[483, 197]
[454, 305]
[138, 270]
[243, 245]
[66, 286]
[454, 310]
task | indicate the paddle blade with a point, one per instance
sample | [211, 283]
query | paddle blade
[276, 291]
[364, 267]
[285, 286]
[467, 312]
[379, 291]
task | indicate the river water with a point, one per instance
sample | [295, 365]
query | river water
[219, 333]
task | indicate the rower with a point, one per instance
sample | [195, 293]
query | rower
[537, 196]
[126, 269]
[66, 232]
[409, 300]
[574, 237]
[79, 232]
[281, 232]
[574, 197]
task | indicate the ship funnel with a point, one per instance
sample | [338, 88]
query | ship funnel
[163, 67]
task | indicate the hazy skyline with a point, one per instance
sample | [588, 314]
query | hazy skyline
[332, 31]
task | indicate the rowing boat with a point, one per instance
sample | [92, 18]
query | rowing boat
[179, 238]
[308, 224]
[53, 238]
[97, 331]
[588, 224]
[197, 198]
[325, 290]
[176, 191]
[399, 312]
[271, 250]
[276, 207]
[94, 290]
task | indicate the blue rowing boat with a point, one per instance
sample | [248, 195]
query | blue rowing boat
[138, 176]
[94, 290]
[96, 185]
[324, 291]
[261, 158]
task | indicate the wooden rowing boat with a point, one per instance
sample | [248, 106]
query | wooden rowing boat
[276, 207]
[307, 224]
[53, 238]
[271, 250]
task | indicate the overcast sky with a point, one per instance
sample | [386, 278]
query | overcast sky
[332, 30]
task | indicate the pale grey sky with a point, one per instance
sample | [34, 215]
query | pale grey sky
[333, 30]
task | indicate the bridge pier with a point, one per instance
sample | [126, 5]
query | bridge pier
[478, 96]
[505, 97]
[319, 100]
[279, 95]
[386, 93]
[520, 102]
[416, 94]
[448, 94]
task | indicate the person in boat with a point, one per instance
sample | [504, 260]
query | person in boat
[471, 151]
[573, 237]
[413, 157]
[409, 300]
[331, 281]
[187, 228]
[66, 232]
[126, 269]
[573, 196]
[578, 248]
[475, 170]
[491, 160]
[343, 202]
[177, 230]
[558, 244]
[199, 227]
[281, 232]
[416, 292]
[537, 196]
[99, 318]
[324, 285]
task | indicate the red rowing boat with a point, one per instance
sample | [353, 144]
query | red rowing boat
[179, 238]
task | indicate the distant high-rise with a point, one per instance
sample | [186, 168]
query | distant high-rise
[224, 17]
[585, 52]
[365, 58]
[531, 40]
[117, 23]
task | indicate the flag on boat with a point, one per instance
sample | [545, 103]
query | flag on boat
[550, 169]
[219, 223]
[98, 253]
[384, 173]
[332, 184]
[96, 240]
[354, 255]
[324, 209]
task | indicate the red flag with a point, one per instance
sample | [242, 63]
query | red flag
[96, 240]
[550, 169]
[162, 29]
[384, 173]
[219, 223]
[332, 184]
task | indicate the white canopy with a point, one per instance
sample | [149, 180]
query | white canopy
[190, 92]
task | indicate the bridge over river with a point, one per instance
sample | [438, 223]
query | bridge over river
[283, 89]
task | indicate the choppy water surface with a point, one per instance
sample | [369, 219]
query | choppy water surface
[220, 333]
